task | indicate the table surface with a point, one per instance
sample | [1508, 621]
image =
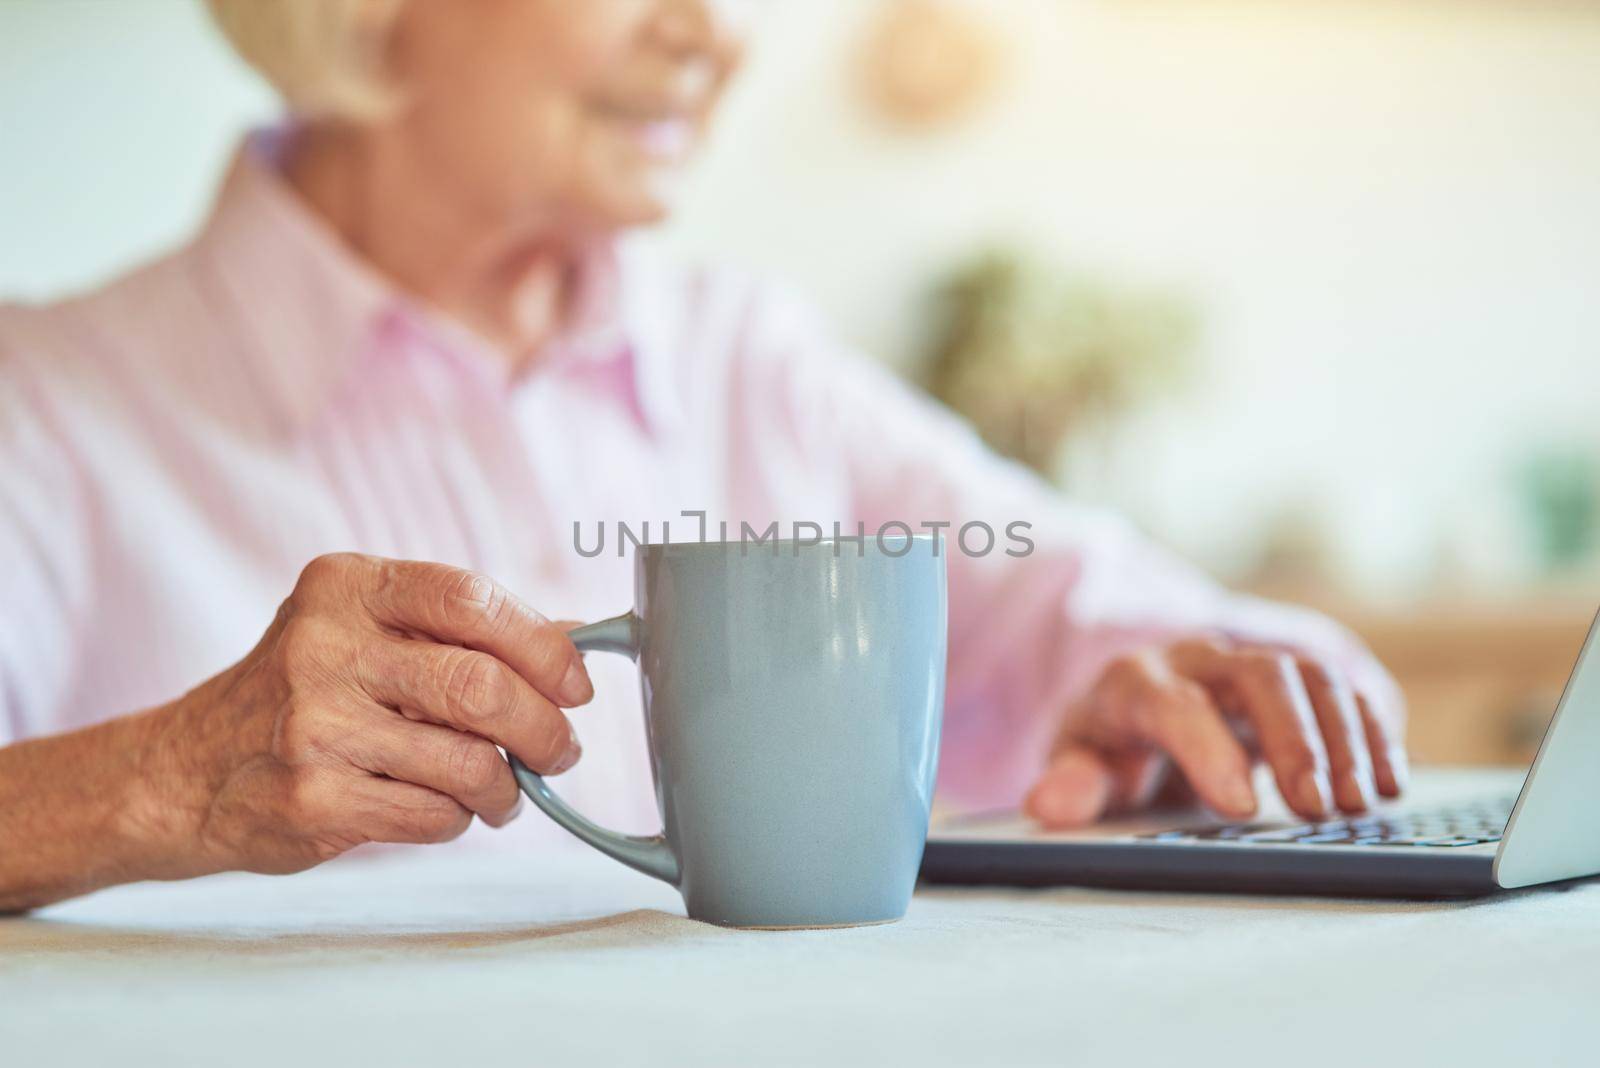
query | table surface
[423, 957]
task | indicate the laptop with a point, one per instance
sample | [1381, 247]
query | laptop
[1456, 833]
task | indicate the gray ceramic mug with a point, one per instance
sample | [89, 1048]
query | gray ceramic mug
[793, 694]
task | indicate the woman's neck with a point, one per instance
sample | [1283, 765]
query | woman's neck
[514, 287]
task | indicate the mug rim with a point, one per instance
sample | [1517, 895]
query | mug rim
[659, 548]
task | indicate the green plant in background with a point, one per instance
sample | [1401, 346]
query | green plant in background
[1039, 360]
[1560, 493]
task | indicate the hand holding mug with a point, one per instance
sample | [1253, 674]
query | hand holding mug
[370, 711]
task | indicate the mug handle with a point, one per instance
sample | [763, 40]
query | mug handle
[652, 855]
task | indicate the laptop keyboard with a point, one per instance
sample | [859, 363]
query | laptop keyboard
[1441, 828]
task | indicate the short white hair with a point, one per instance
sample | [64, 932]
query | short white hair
[324, 57]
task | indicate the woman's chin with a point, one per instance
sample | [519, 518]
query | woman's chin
[636, 206]
[628, 186]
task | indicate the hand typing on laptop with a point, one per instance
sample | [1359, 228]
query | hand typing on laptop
[1207, 708]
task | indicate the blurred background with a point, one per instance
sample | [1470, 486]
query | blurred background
[1309, 288]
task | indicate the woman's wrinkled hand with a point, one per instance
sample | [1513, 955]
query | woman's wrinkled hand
[370, 711]
[1209, 708]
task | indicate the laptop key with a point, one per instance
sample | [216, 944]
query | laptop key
[1342, 839]
[1231, 831]
[1438, 828]
[1280, 834]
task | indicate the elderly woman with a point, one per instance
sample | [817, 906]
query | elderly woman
[412, 330]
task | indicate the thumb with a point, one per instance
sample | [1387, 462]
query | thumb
[1082, 784]
[1074, 791]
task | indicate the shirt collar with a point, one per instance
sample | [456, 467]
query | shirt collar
[312, 308]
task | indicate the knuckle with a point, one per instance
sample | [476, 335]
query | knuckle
[476, 686]
[382, 587]
[1199, 647]
[1295, 757]
[1263, 666]
[296, 735]
[325, 570]
[439, 820]
[1133, 694]
[1168, 715]
[476, 765]
[1186, 695]
[473, 599]
[307, 660]
[1129, 672]
[1259, 660]
[304, 641]
[311, 730]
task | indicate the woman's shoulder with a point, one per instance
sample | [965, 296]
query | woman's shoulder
[88, 381]
[73, 348]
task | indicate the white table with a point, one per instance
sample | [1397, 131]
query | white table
[519, 960]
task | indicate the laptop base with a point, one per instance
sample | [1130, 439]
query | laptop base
[1235, 869]
[1147, 853]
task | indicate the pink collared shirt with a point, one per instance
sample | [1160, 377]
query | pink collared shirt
[177, 445]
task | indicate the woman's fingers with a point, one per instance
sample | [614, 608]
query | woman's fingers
[1266, 687]
[1339, 717]
[462, 766]
[1291, 741]
[1140, 715]
[470, 691]
[1191, 729]
[1075, 790]
[1082, 784]
[1389, 765]
[465, 608]
[391, 811]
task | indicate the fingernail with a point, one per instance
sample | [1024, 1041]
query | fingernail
[1051, 809]
[1051, 804]
[1354, 793]
[1401, 765]
[1392, 773]
[576, 689]
[1074, 791]
[1312, 794]
[568, 758]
